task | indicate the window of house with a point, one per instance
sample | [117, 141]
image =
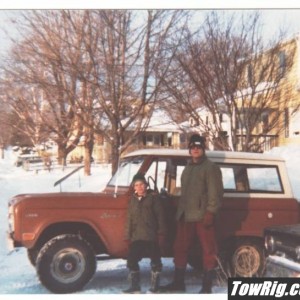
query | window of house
[149, 140]
[265, 122]
[295, 123]
[240, 120]
[249, 74]
[156, 140]
[221, 118]
[282, 63]
[286, 123]
[182, 138]
[152, 140]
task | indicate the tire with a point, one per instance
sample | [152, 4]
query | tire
[32, 255]
[66, 263]
[247, 259]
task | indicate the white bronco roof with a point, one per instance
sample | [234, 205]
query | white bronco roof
[210, 154]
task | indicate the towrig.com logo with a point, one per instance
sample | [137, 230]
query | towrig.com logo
[263, 288]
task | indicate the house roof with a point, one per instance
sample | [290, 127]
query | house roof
[161, 122]
[260, 88]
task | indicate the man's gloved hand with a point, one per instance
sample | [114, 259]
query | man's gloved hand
[208, 219]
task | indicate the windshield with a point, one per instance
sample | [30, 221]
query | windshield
[127, 169]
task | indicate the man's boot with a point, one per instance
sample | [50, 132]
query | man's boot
[177, 285]
[154, 282]
[134, 283]
[207, 282]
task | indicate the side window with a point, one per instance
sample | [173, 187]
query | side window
[157, 171]
[234, 178]
[242, 178]
[176, 169]
[228, 178]
[264, 179]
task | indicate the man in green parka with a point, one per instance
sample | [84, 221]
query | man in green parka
[201, 195]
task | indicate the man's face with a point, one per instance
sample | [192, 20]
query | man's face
[196, 152]
[140, 188]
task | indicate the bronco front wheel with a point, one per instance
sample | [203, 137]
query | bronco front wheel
[66, 263]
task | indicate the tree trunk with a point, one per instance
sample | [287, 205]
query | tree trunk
[87, 161]
[88, 150]
[115, 156]
[62, 155]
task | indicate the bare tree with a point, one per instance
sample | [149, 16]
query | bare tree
[125, 63]
[231, 71]
[78, 73]
[39, 84]
[6, 132]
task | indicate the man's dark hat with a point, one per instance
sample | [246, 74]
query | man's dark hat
[197, 140]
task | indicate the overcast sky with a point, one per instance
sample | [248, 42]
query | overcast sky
[273, 19]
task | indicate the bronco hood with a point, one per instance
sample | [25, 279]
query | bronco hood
[53, 197]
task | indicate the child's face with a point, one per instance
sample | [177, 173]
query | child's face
[140, 188]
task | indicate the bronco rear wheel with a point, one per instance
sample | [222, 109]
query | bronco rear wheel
[247, 259]
[66, 263]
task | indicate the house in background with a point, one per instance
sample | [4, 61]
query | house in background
[218, 127]
[291, 122]
[206, 122]
[277, 124]
[161, 132]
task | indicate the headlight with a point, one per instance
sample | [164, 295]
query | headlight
[297, 251]
[270, 244]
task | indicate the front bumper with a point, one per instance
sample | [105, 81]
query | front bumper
[11, 244]
[277, 266]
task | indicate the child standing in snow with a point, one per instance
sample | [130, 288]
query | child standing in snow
[145, 231]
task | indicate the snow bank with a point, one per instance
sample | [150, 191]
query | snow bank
[291, 154]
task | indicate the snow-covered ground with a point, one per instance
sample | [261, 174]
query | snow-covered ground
[18, 278]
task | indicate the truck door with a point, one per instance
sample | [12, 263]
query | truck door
[166, 173]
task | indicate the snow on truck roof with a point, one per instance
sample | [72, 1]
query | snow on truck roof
[210, 154]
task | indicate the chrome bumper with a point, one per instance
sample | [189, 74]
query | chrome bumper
[277, 266]
[10, 243]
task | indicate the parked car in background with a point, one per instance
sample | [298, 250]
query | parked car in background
[64, 232]
[28, 158]
[283, 249]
